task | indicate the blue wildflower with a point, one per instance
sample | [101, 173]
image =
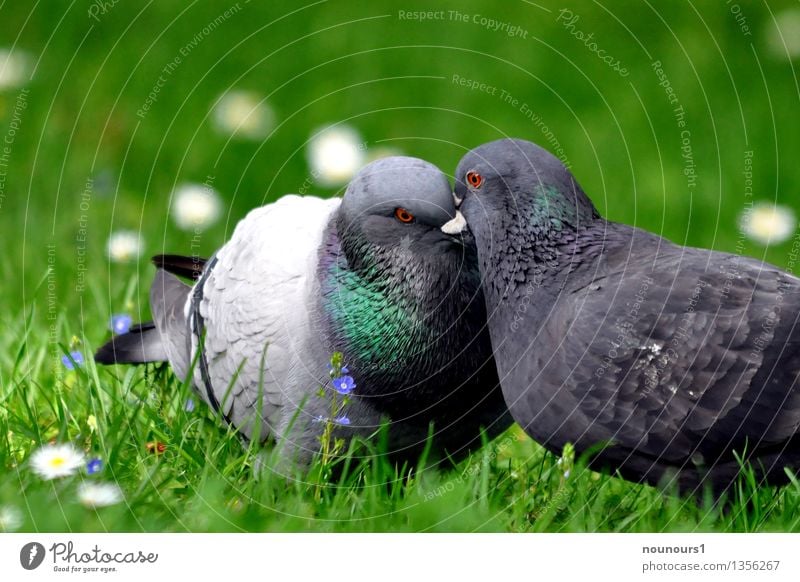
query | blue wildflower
[343, 420]
[344, 384]
[344, 369]
[71, 360]
[189, 406]
[121, 323]
[94, 466]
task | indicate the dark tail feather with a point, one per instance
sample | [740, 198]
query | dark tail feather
[189, 267]
[140, 345]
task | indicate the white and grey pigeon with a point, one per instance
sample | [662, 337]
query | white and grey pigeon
[384, 275]
[662, 362]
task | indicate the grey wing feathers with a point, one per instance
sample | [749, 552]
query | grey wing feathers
[697, 353]
[165, 339]
[168, 298]
[141, 345]
[256, 309]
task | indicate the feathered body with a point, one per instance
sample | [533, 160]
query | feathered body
[673, 362]
[304, 277]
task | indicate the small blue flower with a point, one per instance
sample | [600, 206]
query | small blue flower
[121, 323]
[343, 420]
[73, 359]
[344, 384]
[94, 466]
[345, 370]
[189, 406]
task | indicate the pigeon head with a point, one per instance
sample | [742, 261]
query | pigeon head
[515, 181]
[400, 203]
[400, 287]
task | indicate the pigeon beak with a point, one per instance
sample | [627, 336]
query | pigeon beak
[455, 226]
[457, 200]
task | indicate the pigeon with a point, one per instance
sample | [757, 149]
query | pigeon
[385, 276]
[669, 365]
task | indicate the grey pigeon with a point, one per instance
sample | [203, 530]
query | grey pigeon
[658, 361]
[383, 275]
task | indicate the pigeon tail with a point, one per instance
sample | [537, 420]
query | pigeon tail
[165, 339]
[189, 267]
[142, 344]
[168, 301]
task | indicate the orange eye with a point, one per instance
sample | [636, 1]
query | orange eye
[474, 179]
[403, 215]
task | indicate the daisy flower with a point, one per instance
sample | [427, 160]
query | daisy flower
[124, 246]
[767, 223]
[54, 461]
[93, 494]
[783, 35]
[14, 68]
[243, 114]
[10, 518]
[335, 154]
[195, 206]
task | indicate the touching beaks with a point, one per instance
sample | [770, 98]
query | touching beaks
[455, 226]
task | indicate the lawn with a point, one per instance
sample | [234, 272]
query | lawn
[674, 117]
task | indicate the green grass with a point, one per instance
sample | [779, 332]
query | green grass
[208, 480]
[392, 80]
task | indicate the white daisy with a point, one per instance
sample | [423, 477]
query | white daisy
[195, 206]
[767, 223]
[10, 518]
[124, 246]
[243, 114]
[14, 68]
[53, 461]
[783, 35]
[93, 494]
[335, 154]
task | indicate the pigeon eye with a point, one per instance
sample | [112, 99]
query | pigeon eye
[474, 179]
[403, 215]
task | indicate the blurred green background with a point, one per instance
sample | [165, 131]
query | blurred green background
[390, 77]
[72, 114]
